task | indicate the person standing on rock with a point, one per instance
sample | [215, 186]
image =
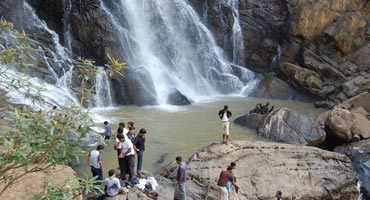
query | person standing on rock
[95, 162]
[225, 115]
[139, 146]
[107, 132]
[131, 133]
[126, 157]
[180, 188]
[222, 183]
[229, 184]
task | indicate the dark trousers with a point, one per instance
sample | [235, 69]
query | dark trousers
[127, 165]
[97, 172]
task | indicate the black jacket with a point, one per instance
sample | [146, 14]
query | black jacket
[221, 114]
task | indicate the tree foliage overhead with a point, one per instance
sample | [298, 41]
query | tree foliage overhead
[35, 140]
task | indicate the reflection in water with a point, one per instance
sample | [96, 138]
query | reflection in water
[173, 131]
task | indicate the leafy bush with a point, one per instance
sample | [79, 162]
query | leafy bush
[35, 141]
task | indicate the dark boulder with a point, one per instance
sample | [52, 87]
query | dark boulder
[290, 127]
[177, 98]
[274, 88]
[134, 88]
[251, 120]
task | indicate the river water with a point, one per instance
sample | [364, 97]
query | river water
[182, 130]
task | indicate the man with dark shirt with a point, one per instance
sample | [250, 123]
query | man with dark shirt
[222, 183]
[180, 189]
[278, 195]
[139, 146]
[107, 132]
[225, 115]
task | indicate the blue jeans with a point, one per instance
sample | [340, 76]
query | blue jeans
[140, 156]
[229, 186]
[97, 172]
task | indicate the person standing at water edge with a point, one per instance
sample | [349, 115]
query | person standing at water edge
[126, 157]
[225, 115]
[107, 132]
[131, 133]
[95, 162]
[139, 146]
[180, 189]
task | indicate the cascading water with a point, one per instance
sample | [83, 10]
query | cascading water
[166, 40]
[237, 35]
[58, 94]
[103, 97]
[67, 4]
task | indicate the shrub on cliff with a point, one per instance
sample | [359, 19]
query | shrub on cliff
[35, 141]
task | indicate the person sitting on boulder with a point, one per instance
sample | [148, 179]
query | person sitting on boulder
[112, 185]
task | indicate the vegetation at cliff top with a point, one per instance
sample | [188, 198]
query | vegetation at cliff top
[35, 141]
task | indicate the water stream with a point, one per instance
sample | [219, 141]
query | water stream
[102, 97]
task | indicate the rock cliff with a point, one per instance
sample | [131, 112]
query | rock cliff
[262, 168]
[324, 45]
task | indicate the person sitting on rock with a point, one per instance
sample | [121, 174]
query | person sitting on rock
[112, 185]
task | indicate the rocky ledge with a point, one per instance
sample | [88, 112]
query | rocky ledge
[300, 172]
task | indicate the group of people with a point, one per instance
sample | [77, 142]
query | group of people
[126, 144]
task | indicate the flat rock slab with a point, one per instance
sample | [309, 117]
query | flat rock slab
[262, 168]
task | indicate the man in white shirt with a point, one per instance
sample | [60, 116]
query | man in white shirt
[225, 115]
[126, 157]
[95, 162]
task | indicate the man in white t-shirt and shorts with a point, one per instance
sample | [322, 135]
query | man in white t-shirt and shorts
[225, 115]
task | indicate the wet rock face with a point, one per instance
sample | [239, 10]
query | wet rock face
[262, 25]
[11, 10]
[52, 12]
[263, 168]
[291, 127]
[93, 33]
[359, 153]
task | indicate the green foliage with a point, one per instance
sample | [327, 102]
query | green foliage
[114, 66]
[368, 33]
[358, 43]
[69, 189]
[37, 141]
[345, 37]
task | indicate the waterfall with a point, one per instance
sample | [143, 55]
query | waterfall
[237, 35]
[67, 4]
[166, 40]
[102, 96]
[55, 94]
[276, 58]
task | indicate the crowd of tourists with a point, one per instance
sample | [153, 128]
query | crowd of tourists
[128, 144]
